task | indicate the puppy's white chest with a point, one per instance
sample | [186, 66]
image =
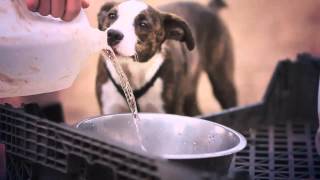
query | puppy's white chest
[152, 101]
[114, 102]
[140, 75]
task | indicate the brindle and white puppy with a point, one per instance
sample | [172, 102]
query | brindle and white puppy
[172, 47]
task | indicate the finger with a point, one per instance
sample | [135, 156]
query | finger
[85, 4]
[57, 8]
[73, 8]
[32, 5]
[44, 7]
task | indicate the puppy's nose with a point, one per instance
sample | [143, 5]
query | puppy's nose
[114, 37]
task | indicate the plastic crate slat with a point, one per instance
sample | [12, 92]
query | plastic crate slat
[90, 141]
[309, 150]
[294, 158]
[44, 163]
[129, 176]
[80, 139]
[252, 154]
[271, 163]
[141, 172]
[15, 149]
[290, 150]
[14, 128]
[114, 149]
[64, 170]
[34, 143]
[22, 168]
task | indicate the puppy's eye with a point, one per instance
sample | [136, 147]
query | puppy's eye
[112, 16]
[144, 24]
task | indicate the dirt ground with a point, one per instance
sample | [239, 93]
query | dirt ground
[263, 32]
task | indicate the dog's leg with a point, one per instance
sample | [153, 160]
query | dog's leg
[220, 74]
[190, 106]
[223, 88]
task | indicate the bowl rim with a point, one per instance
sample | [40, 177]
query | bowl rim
[240, 146]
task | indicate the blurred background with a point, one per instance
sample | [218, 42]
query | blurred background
[263, 32]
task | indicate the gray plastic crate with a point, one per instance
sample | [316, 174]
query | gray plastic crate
[280, 132]
[38, 149]
[281, 128]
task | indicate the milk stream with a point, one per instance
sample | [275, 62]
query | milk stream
[124, 82]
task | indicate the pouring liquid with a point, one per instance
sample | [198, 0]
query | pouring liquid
[124, 82]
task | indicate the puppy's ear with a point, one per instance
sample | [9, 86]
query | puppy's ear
[177, 29]
[103, 13]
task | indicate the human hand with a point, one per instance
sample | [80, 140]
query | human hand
[67, 10]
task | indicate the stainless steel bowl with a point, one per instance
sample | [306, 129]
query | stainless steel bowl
[195, 142]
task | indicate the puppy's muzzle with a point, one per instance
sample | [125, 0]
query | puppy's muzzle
[114, 37]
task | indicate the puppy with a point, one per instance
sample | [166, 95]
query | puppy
[163, 51]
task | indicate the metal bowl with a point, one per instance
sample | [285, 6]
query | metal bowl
[177, 138]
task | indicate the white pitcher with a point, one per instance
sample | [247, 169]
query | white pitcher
[42, 54]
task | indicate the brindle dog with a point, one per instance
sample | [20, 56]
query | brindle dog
[173, 45]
